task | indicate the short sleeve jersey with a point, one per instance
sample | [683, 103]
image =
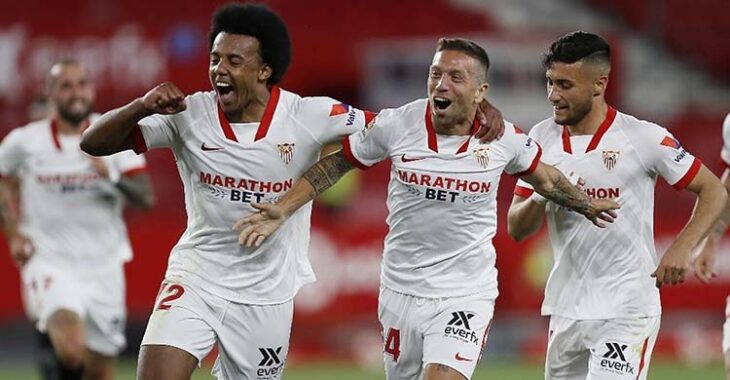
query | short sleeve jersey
[224, 167]
[605, 273]
[441, 200]
[725, 153]
[72, 215]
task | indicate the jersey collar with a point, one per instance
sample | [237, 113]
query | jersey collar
[54, 131]
[593, 144]
[265, 120]
[431, 132]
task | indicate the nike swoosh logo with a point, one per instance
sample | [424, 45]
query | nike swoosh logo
[403, 158]
[206, 148]
[461, 358]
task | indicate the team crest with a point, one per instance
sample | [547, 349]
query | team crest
[610, 158]
[286, 152]
[482, 156]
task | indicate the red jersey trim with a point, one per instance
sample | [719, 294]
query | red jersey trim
[596, 139]
[268, 114]
[139, 146]
[689, 176]
[432, 143]
[522, 191]
[347, 150]
[369, 116]
[465, 145]
[134, 171]
[533, 165]
[642, 362]
[607, 122]
[54, 134]
[567, 148]
[225, 125]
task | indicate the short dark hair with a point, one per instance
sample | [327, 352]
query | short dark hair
[256, 20]
[467, 47]
[576, 46]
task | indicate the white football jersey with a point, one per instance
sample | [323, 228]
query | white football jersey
[72, 215]
[725, 153]
[605, 273]
[441, 200]
[224, 167]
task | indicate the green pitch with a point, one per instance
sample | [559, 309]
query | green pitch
[324, 371]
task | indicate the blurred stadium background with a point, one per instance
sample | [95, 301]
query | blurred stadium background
[671, 65]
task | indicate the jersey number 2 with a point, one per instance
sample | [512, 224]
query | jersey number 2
[392, 343]
[174, 291]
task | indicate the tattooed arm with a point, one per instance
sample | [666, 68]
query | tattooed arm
[552, 184]
[320, 177]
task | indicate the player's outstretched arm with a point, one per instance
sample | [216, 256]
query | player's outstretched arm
[524, 217]
[704, 265]
[711, 200]
[320, 177]
[552, 184]
[21, 248]
[110, 133]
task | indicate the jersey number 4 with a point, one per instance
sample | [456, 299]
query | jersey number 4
[174, 291]
[392, 343]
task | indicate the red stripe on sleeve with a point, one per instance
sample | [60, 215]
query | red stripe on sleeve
[689, 176]
[139, 146]
[534, 163]
[347, 150]
[522, 191]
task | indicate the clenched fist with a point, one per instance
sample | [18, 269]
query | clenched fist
[164, 99]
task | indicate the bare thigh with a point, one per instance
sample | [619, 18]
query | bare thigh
[165, 363]
[98, 366]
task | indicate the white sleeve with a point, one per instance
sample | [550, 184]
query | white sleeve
[372, 144]
[524, 150]
[157, 131]
[522, 188]
[127, 163]
[12, 153]
[329, 120]
[725, 154]
[662, 154]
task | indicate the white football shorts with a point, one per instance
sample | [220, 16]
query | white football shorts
[253, 340]
[97, 296]
[419, 331]
[603, 349]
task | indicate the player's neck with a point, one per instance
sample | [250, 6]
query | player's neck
[66, 127]
[254, 110]
[590, 123]
[460, 127]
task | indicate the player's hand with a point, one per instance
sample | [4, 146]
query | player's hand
[257, 227]
[602, 211]
[164, 99]
[21, 249]
[704, 265]
[99, 166]
[490, 121]
[673, 267]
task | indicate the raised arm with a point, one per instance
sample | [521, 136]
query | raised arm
[320, 177]
[704, 265]
[711, 201]
[111, 132]
[552, 184]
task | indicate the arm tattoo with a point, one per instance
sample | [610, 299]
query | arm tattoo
[327, 171]
[567, 195]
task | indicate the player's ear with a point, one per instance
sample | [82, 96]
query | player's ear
[481, 92]
[599, 86]
[265, 72]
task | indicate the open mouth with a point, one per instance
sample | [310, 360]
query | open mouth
[441, 103]
[225, 90]
[557, 107]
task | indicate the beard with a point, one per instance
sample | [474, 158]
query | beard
[580, 112]
[74, 117]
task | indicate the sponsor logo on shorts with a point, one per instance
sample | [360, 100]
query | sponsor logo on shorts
[271, 363]
[614, 359]
[458, 327]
